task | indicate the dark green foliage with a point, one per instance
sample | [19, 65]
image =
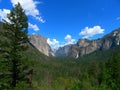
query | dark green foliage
[70, 74]
[113, 72]
[13, 43]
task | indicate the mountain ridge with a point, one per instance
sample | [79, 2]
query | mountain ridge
[82, 47]
[86, 46]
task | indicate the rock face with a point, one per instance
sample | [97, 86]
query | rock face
[41, 44]
[85, 46]
[63, 51]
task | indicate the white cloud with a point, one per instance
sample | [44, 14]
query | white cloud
[3, 14]
[34, 27]
[30, 7]
[69, 39]
[90, 32]
[40, 19]
[53, 43]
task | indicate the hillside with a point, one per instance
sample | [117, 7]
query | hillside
[52, 73]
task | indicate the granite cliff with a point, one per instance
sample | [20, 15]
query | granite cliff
[41, 44]
[85, 46]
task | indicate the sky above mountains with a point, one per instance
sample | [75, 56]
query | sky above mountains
[63, 22]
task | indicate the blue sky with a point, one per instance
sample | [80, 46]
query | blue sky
[65, 21]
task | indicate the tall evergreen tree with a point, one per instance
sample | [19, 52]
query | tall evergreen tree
[13, 43]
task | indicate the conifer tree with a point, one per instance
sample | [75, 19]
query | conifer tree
[13, 43]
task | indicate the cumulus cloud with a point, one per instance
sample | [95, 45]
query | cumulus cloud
[3, 14]
[53, 43]
[69, 39]
[34, 27]
[90, 32]
[30, 7]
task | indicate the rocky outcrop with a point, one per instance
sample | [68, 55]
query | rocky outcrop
[63, 51]
[85, 46]
[41, 44]
[111, 40]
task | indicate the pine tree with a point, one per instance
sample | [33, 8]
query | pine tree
[4, 59]
[13, 43]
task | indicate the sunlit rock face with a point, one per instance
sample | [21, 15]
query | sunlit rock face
[86, 46]
[41, 44]
[63, 51]
[111, 40]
